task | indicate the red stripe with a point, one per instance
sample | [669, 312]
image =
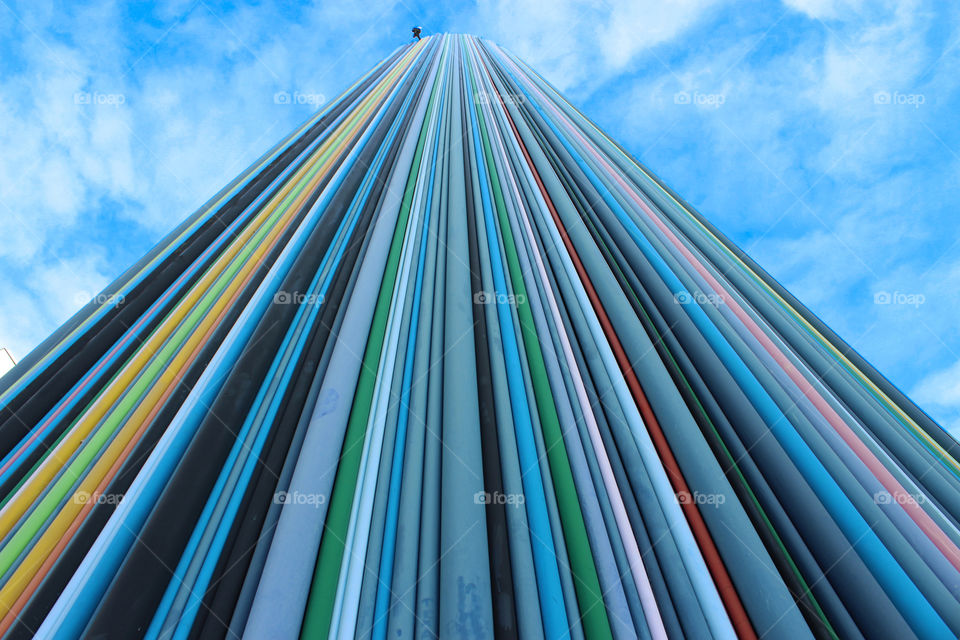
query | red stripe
[728, 593]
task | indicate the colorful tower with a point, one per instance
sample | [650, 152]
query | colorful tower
[448, 362]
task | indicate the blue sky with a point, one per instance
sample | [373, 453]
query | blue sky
[821, 135]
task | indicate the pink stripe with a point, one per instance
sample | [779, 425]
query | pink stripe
[889, 482]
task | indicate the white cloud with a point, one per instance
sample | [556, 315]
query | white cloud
[54, 291]
[942, 387]
[116, 128]
[940, 393]
[823, 9]
[633, 27]
[580, 44]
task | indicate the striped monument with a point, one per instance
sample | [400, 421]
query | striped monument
[448, 362]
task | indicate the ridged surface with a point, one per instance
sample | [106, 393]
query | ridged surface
[448, 362]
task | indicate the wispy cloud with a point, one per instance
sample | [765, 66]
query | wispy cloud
[939, 392]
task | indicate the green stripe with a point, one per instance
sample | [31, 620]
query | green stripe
[586, 582]
[323, 590]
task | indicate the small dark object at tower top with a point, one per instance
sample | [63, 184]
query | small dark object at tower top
[416, 32]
